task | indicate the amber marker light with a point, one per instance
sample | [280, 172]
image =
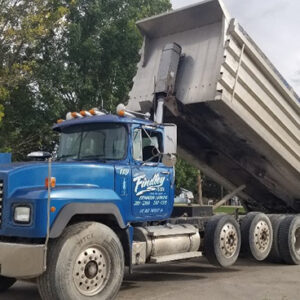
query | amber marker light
[60, 121]
[122, 113]
[85, 113]
[76, 115]
[92, 112]
[52, 182]
[53, 209]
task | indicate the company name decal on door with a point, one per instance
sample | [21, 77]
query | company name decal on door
[144, 185]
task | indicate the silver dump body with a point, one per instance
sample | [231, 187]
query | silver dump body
[238, 119]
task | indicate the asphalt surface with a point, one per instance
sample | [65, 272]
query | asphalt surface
[198, 280]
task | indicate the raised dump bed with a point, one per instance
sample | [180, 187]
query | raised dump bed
[238, 119]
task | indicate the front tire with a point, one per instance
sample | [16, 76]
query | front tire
[86, 262]
[6, 283]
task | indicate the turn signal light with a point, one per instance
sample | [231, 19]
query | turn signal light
[52, 182]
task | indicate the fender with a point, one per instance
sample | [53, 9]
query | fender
[72, 209]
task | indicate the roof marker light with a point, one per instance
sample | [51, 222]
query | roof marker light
[69, 116]
[122, 112]
[85, 113]
[76, 115]
[96, 112]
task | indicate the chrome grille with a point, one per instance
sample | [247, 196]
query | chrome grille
[1, 199]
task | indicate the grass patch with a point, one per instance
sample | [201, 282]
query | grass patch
[229, 210]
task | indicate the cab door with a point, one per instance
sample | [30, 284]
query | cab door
[150, 178]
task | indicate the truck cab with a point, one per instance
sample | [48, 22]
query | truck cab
[107, 168]
[131, 150]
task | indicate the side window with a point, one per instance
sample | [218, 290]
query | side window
[137, 145]
[147, 145]
[152, 145]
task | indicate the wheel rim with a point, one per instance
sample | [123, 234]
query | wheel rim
[228, 240]
[90, 273]
[297, 240]
[262, 236]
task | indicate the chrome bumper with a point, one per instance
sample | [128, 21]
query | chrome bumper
[21, 260]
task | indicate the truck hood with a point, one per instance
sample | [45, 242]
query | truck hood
[68, 174]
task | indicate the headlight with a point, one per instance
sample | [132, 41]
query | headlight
[22, 214]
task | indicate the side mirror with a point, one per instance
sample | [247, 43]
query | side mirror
[169, 160]
[170, 138]
[39, 155]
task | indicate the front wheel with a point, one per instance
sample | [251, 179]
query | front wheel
[86, 262]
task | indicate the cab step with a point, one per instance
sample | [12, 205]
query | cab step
[173, 257]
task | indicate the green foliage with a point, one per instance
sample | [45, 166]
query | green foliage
[230, 210]
[58, 56]
[96, 59]
[186, 176]
[25, 26]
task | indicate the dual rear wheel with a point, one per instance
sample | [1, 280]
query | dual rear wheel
[275, 237]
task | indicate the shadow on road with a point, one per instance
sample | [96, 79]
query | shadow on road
[193, 270]
[20, 291]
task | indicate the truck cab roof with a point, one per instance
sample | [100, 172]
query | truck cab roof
[101, 119]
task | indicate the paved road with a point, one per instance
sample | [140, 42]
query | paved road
[196, 280]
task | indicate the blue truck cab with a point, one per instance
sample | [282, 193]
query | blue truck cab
[108, 169]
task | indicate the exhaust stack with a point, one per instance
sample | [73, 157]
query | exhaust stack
[166, 78]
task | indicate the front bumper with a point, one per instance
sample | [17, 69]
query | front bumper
[22, 260]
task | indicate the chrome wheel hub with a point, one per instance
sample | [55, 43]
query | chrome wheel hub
[228, 240]
[90, 272]
[297, 240]
[262, 236]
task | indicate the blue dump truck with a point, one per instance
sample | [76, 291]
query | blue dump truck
[73, 222]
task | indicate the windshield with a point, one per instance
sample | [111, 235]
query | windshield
[93, 142]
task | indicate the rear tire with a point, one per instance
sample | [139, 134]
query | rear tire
[274, 255]
[257, 235]
[222, 240]
[6, 283]
[289, 240]
[86, 262]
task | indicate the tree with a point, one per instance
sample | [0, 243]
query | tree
[186, 177]
[96, 60]
[23, 25]
[66, 56]
[24, 28]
